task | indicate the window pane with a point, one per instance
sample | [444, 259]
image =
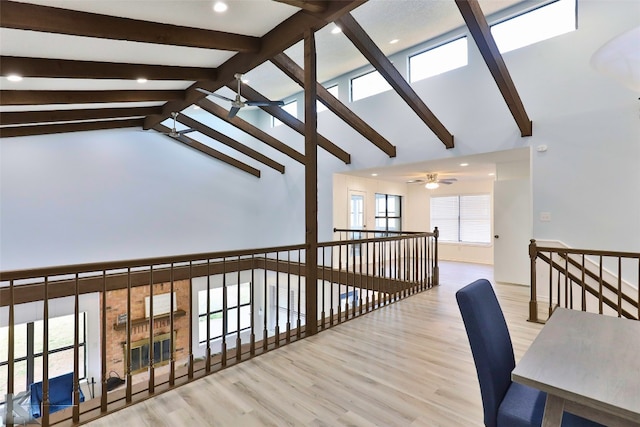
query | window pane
[135, 359]
[444, 215]
[245, 317]
[291, 108]
[232, 320]
[438, 60]
[232, 296]
[19, 339]
[19, 379]
[475, 218]
[381, 223]
[381, 205]
[166, 349]
[245, 293]
[539, 24]
[333, 90]
[394, 224]
[367, 85]
[393, 205]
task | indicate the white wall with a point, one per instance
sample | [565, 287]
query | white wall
[125, 193]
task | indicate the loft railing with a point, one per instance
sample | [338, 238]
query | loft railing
[605, 282]
[142, 327]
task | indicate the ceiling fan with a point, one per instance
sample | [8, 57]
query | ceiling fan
[238, 103]
[432, 181]
[177, 133]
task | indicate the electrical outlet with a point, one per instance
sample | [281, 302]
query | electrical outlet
[545, 216]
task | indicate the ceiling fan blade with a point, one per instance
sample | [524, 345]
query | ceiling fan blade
[183, 131]
[265, 103]
[233, 112]
[213, 94]
[442, 181]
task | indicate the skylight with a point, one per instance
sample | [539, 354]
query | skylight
[438, 60]
[539, 24]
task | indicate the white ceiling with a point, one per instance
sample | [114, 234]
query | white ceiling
[409, 21]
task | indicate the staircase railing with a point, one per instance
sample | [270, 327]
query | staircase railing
[605, 282]
[142, 327]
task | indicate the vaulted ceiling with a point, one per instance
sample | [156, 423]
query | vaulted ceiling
[81, 61]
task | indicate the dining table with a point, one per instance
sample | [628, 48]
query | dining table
[588, 364]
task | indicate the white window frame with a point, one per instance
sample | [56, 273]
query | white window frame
[454, 231]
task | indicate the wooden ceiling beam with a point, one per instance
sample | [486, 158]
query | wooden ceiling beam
[221, 113]
[205, 149]
[11, 131]
[43, 97]
[296, 73]
[230, 142]
[44, 116]
[283, 36]
[293, 123]
[481, 32]
[374, 55]
[314, 6]
[64, 68]
[25, 16]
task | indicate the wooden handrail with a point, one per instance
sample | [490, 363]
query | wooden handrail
[538, 252]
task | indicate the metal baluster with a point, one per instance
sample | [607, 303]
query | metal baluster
[207, 365]
[128, 343]
[238, 338]
[277, 302]
[172, 342]
[265, 332]
[619, 286]
[152, 356]
[331, 287]
[324, 268]
[299, 324]
[76, 347]
[191, 359]
[103, 345]
[11, 357]
[600, 290]
[225, 318]
[584, 287]
[252, 340]
[45, 354]
[340, 281]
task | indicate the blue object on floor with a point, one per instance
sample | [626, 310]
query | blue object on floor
[60, 394]
[505, 403]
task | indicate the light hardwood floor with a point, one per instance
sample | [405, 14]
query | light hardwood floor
[408, 364]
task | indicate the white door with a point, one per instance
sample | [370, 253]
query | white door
[356, 218]
[357, 210]
[512, 231]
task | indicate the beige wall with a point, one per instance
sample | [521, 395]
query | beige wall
[415, 209]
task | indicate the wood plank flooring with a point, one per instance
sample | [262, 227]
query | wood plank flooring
[408, 364]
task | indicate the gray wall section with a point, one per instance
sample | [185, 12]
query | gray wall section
[121, 194]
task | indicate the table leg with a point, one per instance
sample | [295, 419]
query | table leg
[553, 409]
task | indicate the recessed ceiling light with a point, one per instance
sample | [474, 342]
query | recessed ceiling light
[492, 174]
[464, 164]
[394, 41]
[14, 78]
[196, 107]
[220, 7]
[245, 81]
[336, 30]
[374, 174]
[141, 80]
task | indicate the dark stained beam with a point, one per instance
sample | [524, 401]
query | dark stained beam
[230, 142]
[64, 68]
[291, 69]
[374, 55]
[311, 182]
[212, 152]
[25, 117]
[283, 36]
[42, 97]
[293, 123]
[314, 6]
[481, 32]
[221, 113]
[25, 16]
[6, 132]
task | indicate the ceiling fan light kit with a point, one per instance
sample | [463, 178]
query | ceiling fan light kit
[432, 181]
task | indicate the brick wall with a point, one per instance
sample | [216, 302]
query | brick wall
[116, 338]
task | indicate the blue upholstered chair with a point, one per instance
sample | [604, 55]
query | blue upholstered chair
[505, 403]
[60, 394]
